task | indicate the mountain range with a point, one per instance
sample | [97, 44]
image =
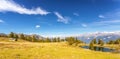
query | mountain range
[87, 37]
[106, 36]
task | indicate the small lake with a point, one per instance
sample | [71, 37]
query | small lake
[103, 49]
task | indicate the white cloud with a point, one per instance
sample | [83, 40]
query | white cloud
[76, 14]
[111, 19]
[1, 21]
[101, 16]
[108, 22]
[61, 18]
[11, 6]
[115, 14]
[37, 26]
[84, 25]
[113, 24]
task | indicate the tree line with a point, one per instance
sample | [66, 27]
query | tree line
[70, 40]
[73, 40]
[34, 38]
[94, 42]
[117, 41]
[100, 42]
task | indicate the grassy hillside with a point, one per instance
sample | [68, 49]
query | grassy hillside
[4, 39]
[29, 50]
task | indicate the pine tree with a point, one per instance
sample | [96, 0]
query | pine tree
[22, 36]
[29, 38]
[11, 35]
[16, 37]
[91, 45]
[62, 40]
[33, 38]
[111, 42]
[58, 39]
[70, 40]
[54, 40]
[94, 41]
[48, 40]
[117, 41]
[100, 42]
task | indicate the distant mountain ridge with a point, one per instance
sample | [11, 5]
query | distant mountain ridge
[106, 36]
[38, 36]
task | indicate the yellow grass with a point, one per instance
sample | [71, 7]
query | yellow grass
[28, 50]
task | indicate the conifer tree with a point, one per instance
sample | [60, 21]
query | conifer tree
[11, 35]
[16, 37]
[100, 42]
[94, 41]
[22, 36]
[91, 45]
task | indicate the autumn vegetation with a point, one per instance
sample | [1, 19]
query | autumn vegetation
[31, 47]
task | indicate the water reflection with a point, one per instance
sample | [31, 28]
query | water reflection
[103, 49]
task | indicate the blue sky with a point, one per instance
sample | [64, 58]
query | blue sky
[59, 17]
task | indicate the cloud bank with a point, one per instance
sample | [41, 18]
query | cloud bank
[11, 6]
[62, 18]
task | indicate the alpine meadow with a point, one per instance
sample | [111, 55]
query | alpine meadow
[59, 29]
